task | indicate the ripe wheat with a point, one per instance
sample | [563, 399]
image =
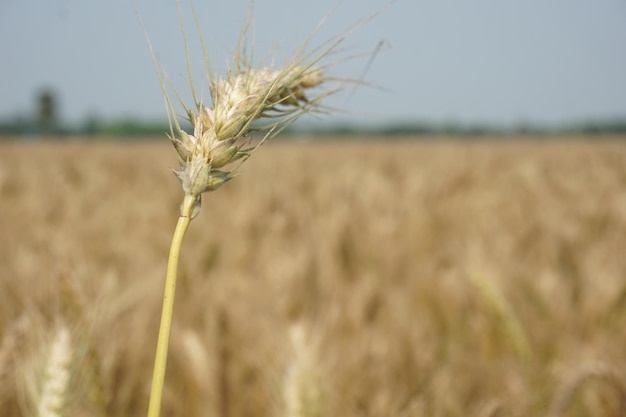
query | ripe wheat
[222, 136]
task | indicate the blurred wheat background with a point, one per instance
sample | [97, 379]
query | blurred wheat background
[380, 278]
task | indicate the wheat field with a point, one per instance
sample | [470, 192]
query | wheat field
[381, 278]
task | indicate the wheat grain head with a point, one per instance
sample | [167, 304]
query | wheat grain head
[302, 387]
[246, 101]
[56, 378]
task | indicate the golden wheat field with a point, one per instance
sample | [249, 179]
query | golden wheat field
[379, 278]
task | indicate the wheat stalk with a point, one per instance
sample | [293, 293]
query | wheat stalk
[595, 372]
[57, 376]
[10, 342]
[504, 313]
[221, 137]
[302, 390]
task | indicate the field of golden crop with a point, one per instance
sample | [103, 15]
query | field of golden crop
[380, 278]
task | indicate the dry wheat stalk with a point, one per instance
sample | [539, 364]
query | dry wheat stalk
[222, 135]
[10, 344]
[598, 372]
[495, 298]
[57, 376]
[302, 388]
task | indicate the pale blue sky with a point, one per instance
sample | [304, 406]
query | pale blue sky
[495, 61]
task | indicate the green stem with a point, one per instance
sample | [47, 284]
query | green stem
[160, 361]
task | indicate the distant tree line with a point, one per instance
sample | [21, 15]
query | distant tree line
[46, 122]
[133, 127]
[427, 129]
[119, 127]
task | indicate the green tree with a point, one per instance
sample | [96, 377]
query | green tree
[47, 110]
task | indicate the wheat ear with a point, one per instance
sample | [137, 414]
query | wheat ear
[302, 392]
[10, 343]
[596, 372]
[504, 313]
[57, 376]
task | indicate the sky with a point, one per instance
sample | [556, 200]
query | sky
[500, 62]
